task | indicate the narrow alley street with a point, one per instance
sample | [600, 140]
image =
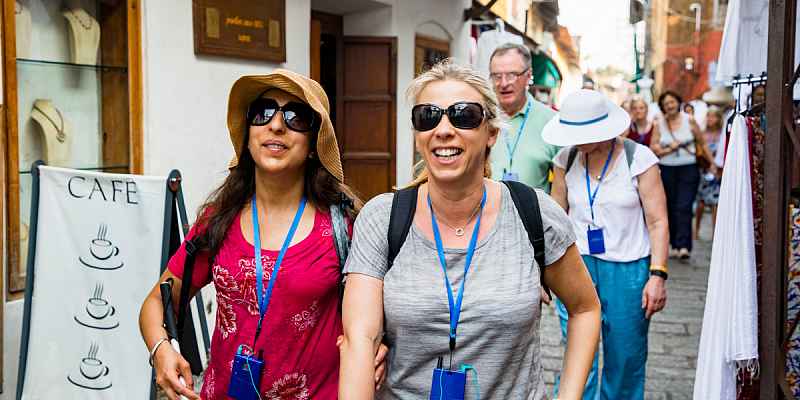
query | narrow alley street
[674, 333]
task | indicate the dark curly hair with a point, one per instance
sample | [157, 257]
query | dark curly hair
[669, 93]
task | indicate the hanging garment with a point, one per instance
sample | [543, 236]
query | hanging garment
[487, 43]
[793, 306]
[744, 41]
[729, 339]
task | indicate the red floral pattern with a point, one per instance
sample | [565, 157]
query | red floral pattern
[307, 318]
[226, 287]
[300, 330]
[290, 387]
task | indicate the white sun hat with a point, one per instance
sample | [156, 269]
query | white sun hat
[586, 116]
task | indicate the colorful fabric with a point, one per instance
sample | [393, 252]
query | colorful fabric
[300, 328]
[793, 306]
[624, 329]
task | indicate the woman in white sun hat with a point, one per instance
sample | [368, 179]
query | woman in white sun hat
[618, 212]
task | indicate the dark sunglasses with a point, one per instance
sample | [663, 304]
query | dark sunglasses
[298, 117]
[463, 115]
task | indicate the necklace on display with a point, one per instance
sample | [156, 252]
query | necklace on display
[17, 8]
[86, 26]
[60, 136]
[459, 231]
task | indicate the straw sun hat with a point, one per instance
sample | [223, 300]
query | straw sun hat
[249, 87]
[586, 116]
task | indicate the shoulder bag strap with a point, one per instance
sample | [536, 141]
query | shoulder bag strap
[186, 284]
[573, 153]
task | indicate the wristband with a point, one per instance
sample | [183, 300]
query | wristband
[155, 348]
[662, 268]
[659, 273]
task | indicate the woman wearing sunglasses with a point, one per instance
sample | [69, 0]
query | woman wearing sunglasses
[474, 329]
[278, 319]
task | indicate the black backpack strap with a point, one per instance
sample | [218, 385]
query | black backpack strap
[404, 205]
[186, 283]
[527, 203]
[573, 152]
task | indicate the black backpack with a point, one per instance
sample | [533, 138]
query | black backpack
[404, 206]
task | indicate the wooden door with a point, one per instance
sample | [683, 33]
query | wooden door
[367, 124]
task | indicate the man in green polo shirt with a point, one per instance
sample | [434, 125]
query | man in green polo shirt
[520, 153]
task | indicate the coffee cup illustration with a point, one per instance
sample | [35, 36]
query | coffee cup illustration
[99, 313]
[101, 253]
[99, 308]
[101, 248]
[92, 368]
[92, 373]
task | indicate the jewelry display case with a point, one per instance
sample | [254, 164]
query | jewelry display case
[72, 96]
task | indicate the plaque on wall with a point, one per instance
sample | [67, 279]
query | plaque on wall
[240, 28]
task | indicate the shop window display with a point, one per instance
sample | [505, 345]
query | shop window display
[68, 99]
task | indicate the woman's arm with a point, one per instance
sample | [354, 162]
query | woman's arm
[655, 143]
[169, 365]
[363, 326]
[570, 280]
[558, 191]
[651, 192]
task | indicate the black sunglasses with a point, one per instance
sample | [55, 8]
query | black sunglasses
[298, 117]
[463, 115]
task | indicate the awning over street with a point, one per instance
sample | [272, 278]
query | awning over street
[545, 71]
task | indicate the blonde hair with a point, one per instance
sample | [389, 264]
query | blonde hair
[637, 99]
[447, 70]
[718, 112]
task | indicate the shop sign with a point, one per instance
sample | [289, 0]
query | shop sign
[240, 28]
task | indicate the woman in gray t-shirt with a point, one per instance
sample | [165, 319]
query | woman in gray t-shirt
[467, 225]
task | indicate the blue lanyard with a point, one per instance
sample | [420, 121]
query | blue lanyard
[264, 298]
[592, 195]
[511, 150]
[455, 306]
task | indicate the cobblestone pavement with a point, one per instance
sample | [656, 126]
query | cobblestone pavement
[674, 332]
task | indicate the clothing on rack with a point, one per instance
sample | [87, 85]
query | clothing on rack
[793, 306]
[744, 41]
[729, 338]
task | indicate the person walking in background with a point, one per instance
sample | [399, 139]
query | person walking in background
[612, 191]
[708, 192]
[641, 128]
[521, 154]
[464, 231]
[678, 142]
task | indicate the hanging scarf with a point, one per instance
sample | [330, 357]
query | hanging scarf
[729, 339]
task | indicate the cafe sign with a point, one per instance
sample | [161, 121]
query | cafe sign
[240, 28]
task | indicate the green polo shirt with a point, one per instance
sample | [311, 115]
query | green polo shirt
[533, 157]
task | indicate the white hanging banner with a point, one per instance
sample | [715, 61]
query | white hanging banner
[98, 253]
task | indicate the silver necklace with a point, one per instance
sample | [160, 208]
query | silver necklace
[60, 136]
[17, 8]
[85, 26]
[459, 231]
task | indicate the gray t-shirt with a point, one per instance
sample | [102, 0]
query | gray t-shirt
[498, 332]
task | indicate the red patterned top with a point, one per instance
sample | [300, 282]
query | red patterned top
[301, 360]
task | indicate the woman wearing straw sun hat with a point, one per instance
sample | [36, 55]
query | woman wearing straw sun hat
[278, 318]
[611, 189]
